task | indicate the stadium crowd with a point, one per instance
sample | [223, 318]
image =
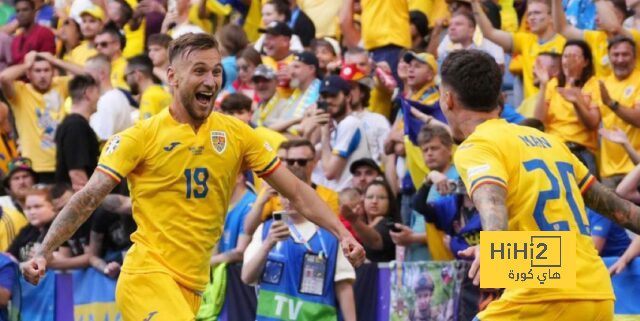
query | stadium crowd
[347, 93]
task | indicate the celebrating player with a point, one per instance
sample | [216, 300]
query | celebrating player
[181, 166]
[521, 179]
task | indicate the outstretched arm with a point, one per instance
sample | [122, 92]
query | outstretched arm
[604, 201]
[501, 38]
[80, 206]
[560, 22]
[309, 204]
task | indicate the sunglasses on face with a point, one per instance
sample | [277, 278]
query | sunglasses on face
[302, 162]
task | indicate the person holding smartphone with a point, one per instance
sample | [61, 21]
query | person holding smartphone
[296, 262]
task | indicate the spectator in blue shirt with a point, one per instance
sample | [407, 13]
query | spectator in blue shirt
[609, 238]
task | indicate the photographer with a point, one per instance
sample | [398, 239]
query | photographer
[298, 264]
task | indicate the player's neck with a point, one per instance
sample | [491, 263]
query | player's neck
[180, 115]
[472, 119]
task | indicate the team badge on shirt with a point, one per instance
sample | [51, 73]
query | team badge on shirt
[628, 91]
[113, 144]
[219, 141]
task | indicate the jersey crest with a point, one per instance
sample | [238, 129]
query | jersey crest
[219, 141]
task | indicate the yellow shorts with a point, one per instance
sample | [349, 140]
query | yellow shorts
[583, 310]
[155, 297]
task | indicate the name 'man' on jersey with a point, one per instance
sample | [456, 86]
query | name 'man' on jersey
[180, 183]
[544, 183]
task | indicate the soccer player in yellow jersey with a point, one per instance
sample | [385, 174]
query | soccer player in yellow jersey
[139, 77]
[521, 179]
[181, 167]
[541, 38]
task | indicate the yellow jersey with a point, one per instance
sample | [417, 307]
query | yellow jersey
[544, 182]
[427, 95]
[135, 40]
[37, 116]
[614, 160]
[81, 53]
[562, 118]
[599, 44]
[180, 184]
[528, 46]
[118, 67]
[433, 9]
[385, 23]
[8, 151]
[329, 196]
[11, 222]
[153, 100]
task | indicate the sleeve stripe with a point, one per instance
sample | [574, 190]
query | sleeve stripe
[270, 168]
[486, 181]
[584, 180]
[590, 180]
[496, 179]
[110, 171]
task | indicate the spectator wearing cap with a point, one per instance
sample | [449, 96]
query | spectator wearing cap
[17, 183]
[421, 77]
[461, 34]
[278, 11]
[93, 19]
[364, 171]
[343, 140]
[139, 76]
[20, 178]
[304, 72]
[33, 36]
[327, 50]
[270, 103]
[376, 126]
[277, 54]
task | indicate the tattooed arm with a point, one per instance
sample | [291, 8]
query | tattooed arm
[604, 201]
[491, 202]
[80, 206]
[118, 204]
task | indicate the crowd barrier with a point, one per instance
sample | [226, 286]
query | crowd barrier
[385, 292]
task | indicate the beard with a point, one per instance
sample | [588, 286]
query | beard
[191, 105]
[135, 88]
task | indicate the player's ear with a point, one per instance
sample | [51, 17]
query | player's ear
[171, 76]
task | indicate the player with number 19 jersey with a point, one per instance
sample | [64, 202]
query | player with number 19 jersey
[180, 183]
[544, 182]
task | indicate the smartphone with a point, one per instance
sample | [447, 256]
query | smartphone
[279, 216]
[322, 105]
[392, 227]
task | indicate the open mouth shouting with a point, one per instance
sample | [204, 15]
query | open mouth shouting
[204, 97]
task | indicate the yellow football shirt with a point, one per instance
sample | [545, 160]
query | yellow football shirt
[181, 183]
[427, 95]
[274, 138]
[117, 73]
[324, 14]
[544, 182]
[433, 9]
[528, 46]
[385, 23]
[283, 92]
[135, 40]
[80, 54]
[8, 151]
[11, 222]
[562, 118]
[613, 158]
[37, 116]
[599, 44]
[153, 100]
[329, 196]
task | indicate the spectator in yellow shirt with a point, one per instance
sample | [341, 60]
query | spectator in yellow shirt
[37, 108]
[110, 43]
[121, 14]
[70, 36]
[620, 108]
[610, 15]
[92, 22]
[277, 54]
[139, 76]
[541, 38]
[568, 105]
[159, 55]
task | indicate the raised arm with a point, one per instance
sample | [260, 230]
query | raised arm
[607, 203]
[309, 204]
[80, 206]
[349, 32]
[560, 22]
[11, 74]
[64, 65]
[499, 37]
